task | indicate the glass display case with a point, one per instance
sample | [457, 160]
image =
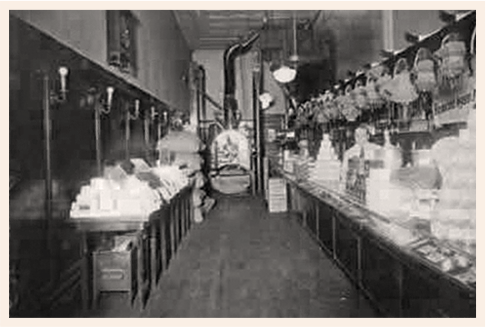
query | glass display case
[381, 254]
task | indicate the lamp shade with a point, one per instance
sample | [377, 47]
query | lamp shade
[284, 74]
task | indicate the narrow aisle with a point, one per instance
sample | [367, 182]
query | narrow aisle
[244, 262]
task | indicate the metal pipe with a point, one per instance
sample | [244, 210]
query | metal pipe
[127, 132]
[146, 122]
[197, 83]
[51, 246]
[203, 88]
[229, 56]
[47, 147]
[97, 117]
[212, 101]
[256, 117]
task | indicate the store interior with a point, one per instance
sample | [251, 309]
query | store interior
[242, 163]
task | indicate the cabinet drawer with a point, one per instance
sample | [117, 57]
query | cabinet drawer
[114, 271]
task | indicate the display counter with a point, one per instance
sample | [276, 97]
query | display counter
[398, 265]
[156, 239]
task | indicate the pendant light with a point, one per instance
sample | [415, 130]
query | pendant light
[287, 74]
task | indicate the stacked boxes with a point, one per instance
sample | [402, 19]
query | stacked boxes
[277, 195]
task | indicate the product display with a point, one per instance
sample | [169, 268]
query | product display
[348, 106]
[374, 98]
[326, 168]
[425, 73]
[108, 198]
[452, 54]
[452, 262]
[422, 188]
[455, 215]
[118, 194]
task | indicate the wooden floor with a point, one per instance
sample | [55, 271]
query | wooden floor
[244, 262]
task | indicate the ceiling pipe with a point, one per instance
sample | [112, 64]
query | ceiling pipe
[230, 54]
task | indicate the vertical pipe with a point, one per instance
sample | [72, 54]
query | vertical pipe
[146, 122]
[256, 88]
[98, 138]
[127, 132]
[197, 81]
[47, 147]
[387, 16]
[203, 90]
[51, 246]
[261, 148]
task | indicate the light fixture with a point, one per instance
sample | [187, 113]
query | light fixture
[137, 111]
[285, 74]
[106, 104]
[63, 72]
[58, 97]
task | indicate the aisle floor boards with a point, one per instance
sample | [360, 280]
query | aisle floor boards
[244, 262]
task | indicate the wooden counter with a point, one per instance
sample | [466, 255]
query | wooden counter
[397, 279]
[158, 237]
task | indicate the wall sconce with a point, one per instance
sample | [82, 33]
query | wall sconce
[63, 72]
[136, 113]
[62, 95]
[109, 98]
[93, 98]
[153, 113]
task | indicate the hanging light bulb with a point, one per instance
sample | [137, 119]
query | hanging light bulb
[285, 74]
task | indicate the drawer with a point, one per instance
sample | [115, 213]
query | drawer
[114, 271]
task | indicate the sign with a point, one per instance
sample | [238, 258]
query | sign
[455, 111]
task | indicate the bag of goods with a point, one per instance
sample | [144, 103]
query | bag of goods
[401, 87]
[321, 117]
[329, 105]
[374, 98]
[360, 96]
[348, 106]
[383, 83]
[452, 56]
[424, 69]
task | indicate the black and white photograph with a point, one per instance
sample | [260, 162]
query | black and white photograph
[244, 163]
